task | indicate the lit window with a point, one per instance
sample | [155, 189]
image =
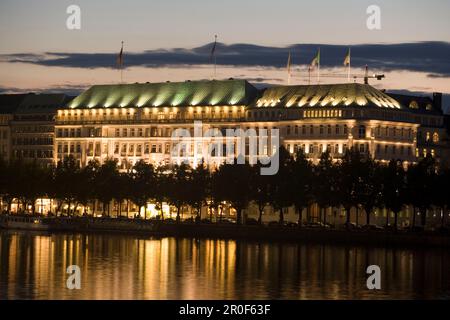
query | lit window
[435, 137]
[413, 105]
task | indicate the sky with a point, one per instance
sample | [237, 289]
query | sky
[172, 39]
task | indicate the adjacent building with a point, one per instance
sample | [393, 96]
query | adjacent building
[8, 106]
[33, 127]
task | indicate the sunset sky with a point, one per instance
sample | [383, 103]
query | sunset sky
[171, 40]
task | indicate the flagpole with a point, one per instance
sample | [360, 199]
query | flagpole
[318, 68]
[289, 69]
[349, 64]
[121, 66]
[318, 73]
[309, 75]
[215, 60]
[348, 76]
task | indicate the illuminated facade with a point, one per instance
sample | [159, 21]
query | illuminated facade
[136, 121]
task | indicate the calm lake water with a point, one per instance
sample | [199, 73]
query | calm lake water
[33, 266]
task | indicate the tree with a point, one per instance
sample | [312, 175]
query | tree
[324, 189]
[259, 190]
[420, 181]
[104, 183]
[280, 186]
[346, 179]
[369, 187]
[301, 183]
[65, 176]
[394, 189]
[143, 184]
[177, 191]
[233, 182]
[198, 185]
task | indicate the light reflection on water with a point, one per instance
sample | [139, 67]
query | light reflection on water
[32, 266]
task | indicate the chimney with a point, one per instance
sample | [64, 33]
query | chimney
[437, 100]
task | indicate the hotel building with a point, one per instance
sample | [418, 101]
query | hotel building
[135, 121]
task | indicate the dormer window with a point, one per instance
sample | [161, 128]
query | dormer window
[414, 105]
[429, 107]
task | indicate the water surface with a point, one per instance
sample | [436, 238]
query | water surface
[33, 266]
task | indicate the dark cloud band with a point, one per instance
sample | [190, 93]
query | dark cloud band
[429, 57]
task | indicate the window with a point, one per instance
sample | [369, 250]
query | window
[117, 134]
[362, 147]
[345, 129]
[321, 129]
[427, 136]
[329, 130]
[414, 105]
[435, 137]
[311, 129]
[362, 132]
[337, 130]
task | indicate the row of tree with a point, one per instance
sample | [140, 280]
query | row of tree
[355, 181]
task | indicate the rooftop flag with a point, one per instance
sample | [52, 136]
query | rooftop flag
[347, 62]
[288, 67]
[347, 58]
[120, 58]
[213, 55]
[213, 50]
[316, 61]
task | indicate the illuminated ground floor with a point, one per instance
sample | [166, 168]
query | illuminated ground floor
[334, 217]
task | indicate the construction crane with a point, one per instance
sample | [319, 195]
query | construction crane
[355, 77]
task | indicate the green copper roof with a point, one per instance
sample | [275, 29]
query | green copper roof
[327, 95]
[176, 94]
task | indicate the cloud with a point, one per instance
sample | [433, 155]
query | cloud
[71, 90]
[429, 57]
